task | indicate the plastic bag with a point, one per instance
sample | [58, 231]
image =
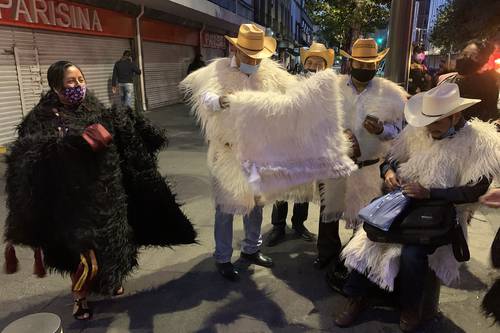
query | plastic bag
[383, 211]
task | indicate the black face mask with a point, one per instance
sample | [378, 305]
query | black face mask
[363, 75]
[466, 66]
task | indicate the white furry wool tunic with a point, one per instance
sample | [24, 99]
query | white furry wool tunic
[457, 161]
[232, 191]
[385, 100]
[293, 139]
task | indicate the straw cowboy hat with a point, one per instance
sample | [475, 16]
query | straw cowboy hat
[253, 43]
[317, 50]
[365, 50]
[440, 102]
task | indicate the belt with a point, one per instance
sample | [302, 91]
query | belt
[366, 163]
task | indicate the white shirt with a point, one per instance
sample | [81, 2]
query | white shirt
[211, 100]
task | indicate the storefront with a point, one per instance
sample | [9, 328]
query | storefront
[35, 34]
[213, 45]
[168, 50]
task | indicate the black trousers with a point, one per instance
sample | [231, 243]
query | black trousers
[280, 211]
[413, 271]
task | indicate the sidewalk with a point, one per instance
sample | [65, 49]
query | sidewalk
[179, 290]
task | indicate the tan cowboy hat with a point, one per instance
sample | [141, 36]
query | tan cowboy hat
[365, 50]
[317, 50]
[440, 102]
[253, 43]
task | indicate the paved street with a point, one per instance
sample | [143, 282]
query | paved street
[178, 290]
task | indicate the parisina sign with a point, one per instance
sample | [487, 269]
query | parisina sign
[64, 15]
[51, 13]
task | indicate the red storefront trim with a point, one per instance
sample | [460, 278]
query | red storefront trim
[65, 16]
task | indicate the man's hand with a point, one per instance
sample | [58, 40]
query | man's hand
[355, 149]
[391, 180]
[491, 199]
[224, 102]
[114, 89]
[416, 191]
[373, 125]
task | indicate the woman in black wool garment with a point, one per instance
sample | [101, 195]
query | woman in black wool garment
[83, 185]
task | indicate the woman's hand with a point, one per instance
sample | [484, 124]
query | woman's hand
[391, 180]
[97, 136]
[416, 191]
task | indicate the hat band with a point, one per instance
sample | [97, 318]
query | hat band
[251, 44]
[431, 115]
[363, 57]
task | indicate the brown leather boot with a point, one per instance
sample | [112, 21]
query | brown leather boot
[352, 310]
[409, 320]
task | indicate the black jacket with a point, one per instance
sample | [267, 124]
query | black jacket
[124, 71]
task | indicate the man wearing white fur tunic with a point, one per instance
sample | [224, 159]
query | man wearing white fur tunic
[209, 87]
[314, 59]
[437, 156]
[373, 112]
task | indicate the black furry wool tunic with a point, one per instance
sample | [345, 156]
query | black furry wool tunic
[66, 199]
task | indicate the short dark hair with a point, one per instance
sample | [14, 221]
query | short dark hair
[127, 53]
[55, 73]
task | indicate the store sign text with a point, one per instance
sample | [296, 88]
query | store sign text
[51, 13]
[214, 41]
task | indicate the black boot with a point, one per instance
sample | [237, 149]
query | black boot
[276, 236]
[329, 244]
[228, 271]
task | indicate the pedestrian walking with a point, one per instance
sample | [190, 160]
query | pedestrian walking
[123, 78]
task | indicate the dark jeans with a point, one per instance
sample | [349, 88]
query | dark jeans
[329, 243]
[280, 211]
[413, 271]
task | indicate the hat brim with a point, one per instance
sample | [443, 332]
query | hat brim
[266, 52]
[327, 55]
[415, 116]
[380, 56]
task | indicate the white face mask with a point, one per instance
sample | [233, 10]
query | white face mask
[248, 69]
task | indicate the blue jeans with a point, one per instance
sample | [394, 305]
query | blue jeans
[126, 94]
[223, 233]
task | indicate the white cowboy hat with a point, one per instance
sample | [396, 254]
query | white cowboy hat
[365, 50]
[317, 50]
[252, 42]
[440, 102]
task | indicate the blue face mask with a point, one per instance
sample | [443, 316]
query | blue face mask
[248, 69]
[451, 132]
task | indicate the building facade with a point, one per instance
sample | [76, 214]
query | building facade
[164, 37]
[288, 22]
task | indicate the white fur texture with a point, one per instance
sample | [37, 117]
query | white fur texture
[385, 100]
[288, 140]
[472, 153]
[232, 191]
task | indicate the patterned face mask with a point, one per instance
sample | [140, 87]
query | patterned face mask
[75, 95]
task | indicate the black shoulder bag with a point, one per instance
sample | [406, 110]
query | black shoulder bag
[425, 222]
